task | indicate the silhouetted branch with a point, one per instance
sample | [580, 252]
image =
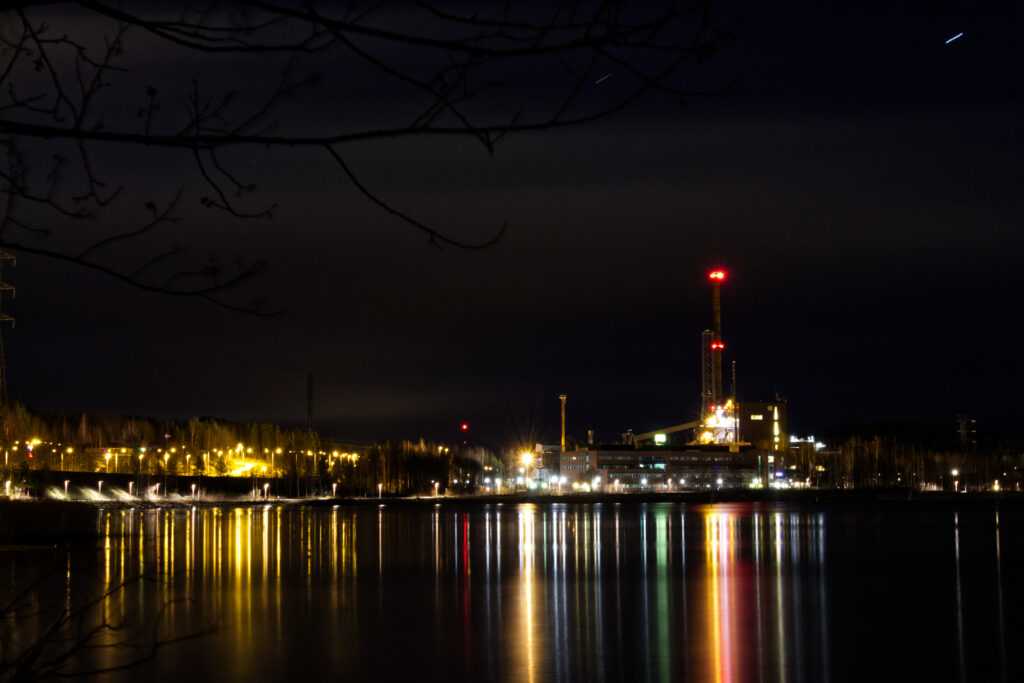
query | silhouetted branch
[482, 74]
[64, 648]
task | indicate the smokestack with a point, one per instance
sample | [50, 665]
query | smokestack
[707, 373]
[562, 397]
[734, 399]
[717, 277]
[735, 407]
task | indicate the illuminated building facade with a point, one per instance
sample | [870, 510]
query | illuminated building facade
[628, 468]
[763, 424]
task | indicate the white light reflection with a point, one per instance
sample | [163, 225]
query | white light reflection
[999, 600]
[780, 625]
[959, 601]
[527, 597]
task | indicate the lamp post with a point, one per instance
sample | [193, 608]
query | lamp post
[956, 482]
[380, 487]
[526, 458]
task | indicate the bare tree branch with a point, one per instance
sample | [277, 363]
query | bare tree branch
[482, 72]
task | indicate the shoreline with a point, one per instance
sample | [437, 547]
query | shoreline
[49, 522]
[804, 496]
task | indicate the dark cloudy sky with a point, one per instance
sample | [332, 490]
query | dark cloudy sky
[861, 182]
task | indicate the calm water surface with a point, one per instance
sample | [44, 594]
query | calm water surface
[658, 591]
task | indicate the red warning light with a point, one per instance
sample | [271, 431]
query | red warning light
[717, 346]
[465, 426]
[717, 275]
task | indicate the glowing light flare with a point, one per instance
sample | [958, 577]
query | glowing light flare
[717, 346]
[241, 468]
[717, 276]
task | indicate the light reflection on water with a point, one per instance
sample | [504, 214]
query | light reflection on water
[745, 592]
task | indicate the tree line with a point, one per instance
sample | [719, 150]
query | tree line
[890, 462]
[302, 460]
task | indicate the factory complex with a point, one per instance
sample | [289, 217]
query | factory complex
[735, 444]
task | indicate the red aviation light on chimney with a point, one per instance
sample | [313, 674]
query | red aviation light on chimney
[717, 275]
[717, 346]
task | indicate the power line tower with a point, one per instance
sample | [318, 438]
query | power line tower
[965, 427]
[315, 475]
[4, 288]
[309, 402]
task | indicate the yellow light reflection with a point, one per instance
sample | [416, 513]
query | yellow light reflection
[527, 524]
[720, 532]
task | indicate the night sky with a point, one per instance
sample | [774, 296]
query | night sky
[861, 182]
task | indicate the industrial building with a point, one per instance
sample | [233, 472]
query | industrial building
[734, 444]
[628, 468]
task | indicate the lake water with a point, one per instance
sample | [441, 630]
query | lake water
[528, 592]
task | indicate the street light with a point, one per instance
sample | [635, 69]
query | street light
[379, 488]
[526, 457]
[956, 482]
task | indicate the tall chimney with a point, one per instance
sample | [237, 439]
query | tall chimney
[717, 277]
[562, 397]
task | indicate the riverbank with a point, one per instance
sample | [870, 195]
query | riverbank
[54, 521]
[802, 496]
